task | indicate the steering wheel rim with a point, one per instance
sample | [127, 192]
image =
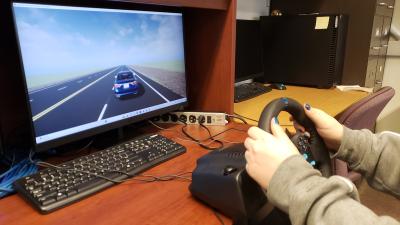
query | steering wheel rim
[317, 145]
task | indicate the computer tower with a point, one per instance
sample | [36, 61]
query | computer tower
[303, 49]
[248, 50]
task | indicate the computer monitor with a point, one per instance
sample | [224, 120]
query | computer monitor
[88, 70]
[248, 50]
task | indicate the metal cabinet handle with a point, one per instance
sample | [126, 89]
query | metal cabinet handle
[385, 45]
[382, 4]
[378, 82]
[376, 47]
[390, 7]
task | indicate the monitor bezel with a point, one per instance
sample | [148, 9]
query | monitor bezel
[106, 127]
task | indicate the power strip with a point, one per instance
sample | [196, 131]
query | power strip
[206, 118]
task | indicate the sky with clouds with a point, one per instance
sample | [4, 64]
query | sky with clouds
[60, 41]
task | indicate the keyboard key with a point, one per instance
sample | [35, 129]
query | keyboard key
[54, 188]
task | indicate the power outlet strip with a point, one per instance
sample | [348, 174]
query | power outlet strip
[206, 118]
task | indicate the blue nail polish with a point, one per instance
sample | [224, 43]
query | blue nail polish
[308, 107]
[276, 120]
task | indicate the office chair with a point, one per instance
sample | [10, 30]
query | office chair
[361, 115]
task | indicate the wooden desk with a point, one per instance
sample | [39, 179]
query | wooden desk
[132, 202]
[167, 202]
[332, 101]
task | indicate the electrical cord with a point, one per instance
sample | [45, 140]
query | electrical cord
[79, 150]
[244, 117]
[159, 127]
[247, 118]
[199, 142]
[237, 117]
[218, 216]
[19, 170]
[173, 130]
[153, 178]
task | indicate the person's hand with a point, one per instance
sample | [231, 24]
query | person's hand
[328, 127]
[265, 152]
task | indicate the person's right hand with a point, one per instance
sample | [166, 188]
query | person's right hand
[330, 130]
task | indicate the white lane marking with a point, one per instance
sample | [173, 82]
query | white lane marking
[162, 96]
[51, 86]
[42, 89]
[102, 112]
[36, 117]
[62, 88]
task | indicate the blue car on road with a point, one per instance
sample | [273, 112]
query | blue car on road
[125, 84]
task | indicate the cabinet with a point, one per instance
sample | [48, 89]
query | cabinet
[379, 43]
[367, 35]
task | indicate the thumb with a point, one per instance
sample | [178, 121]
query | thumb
[318, 116]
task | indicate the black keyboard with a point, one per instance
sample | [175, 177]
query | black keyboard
[53, 188]
[249, 90]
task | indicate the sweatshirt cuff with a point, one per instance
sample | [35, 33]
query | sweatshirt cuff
[291, 172]
[299, 190]
[355, 145]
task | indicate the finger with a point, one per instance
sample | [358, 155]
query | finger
[277, 130]
[248, 144]
[298, 126]
[256, 133]
[248, 156]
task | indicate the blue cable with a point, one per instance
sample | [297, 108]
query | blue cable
[19, 170]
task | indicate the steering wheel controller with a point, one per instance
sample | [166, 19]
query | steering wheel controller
[312, 148]
[220, 178]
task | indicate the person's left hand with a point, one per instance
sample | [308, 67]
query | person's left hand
[265, 152]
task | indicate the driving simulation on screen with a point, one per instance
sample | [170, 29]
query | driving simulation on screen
[89, 67]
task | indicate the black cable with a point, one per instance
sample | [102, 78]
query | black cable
[247, 118]
[237, 117]
[218, 216]
[131, 177]
[70, 153]
[211, 137]
[224, 131]
[199, 141]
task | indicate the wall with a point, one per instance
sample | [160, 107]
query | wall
[252, 9]
[390, 116]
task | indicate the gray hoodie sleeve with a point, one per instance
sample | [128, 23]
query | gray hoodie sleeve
[376, 156]
[309, 198]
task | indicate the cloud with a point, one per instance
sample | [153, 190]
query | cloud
[79, 38]
[71, 48]
[124, 31]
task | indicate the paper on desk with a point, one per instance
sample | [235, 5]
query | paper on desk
[354, 88]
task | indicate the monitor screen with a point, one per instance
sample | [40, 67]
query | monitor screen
[248, 50]
[88, 70]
